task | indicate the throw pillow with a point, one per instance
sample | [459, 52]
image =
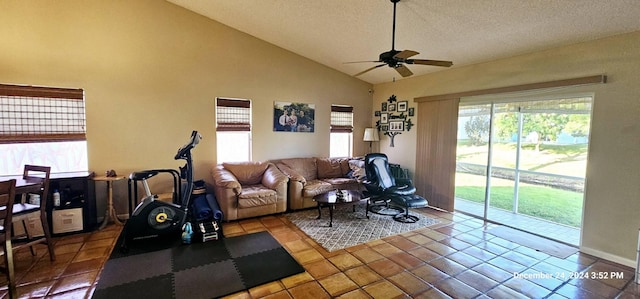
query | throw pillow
[357, 170]
[328, 168]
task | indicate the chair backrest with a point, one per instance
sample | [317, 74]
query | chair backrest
[378, 171]
[7, 196]
[39, 172]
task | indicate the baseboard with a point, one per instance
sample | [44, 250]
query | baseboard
[609, 257]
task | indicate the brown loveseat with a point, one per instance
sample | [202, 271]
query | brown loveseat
[249, 189]
[309, 177]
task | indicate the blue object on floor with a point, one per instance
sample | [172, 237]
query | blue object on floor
[213, 204]
[201, 208]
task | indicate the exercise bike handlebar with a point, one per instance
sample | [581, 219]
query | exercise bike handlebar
[183, 152]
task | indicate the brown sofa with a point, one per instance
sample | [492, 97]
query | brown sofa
[249, 189]
[309, 177]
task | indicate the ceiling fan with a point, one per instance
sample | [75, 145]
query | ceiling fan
[396, 59]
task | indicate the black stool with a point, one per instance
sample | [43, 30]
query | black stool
[406, 202]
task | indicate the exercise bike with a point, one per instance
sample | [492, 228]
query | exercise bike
[155, 218]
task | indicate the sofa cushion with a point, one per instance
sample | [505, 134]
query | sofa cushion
[315, 187]
[305, 166]
[343, 183]
[256, 196]
[247, 173]
[329, 168]
[344, 166]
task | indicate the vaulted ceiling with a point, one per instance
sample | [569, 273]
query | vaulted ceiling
[466, 32]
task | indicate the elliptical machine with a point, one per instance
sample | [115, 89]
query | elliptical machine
[154, 218]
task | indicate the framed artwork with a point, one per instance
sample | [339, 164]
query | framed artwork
[402, 106]
[412, 111]
[384, 127]
[293, 117]
[384, 118]
[384, 106]
[392, 107]
[377, 113]
[396, 125]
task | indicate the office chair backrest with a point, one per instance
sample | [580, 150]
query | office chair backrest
[377, 168]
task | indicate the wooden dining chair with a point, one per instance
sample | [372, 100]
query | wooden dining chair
[24, 212]
[7, 196]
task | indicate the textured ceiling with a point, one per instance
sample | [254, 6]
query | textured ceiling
[332, 32]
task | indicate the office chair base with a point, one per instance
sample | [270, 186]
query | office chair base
[406, 218]
[385, 210]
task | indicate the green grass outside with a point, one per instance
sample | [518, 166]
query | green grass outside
[560, 206]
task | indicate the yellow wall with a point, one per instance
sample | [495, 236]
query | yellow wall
[151, 71]
[612, 200]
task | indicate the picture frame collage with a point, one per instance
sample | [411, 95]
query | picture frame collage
[394, 117]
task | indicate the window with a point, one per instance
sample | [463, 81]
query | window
[341, 139]
[43, 126]
[233, 130]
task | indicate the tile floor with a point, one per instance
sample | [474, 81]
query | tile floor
[454, 259]
[548, 229]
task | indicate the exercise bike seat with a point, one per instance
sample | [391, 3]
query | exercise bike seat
[142, 175]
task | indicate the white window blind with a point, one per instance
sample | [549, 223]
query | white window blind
[341, 119]
[41, 114]
[233, 115]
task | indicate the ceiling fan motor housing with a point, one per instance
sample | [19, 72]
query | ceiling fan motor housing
[388, 57]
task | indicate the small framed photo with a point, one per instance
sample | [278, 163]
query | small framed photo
[384, 118]
[377, 113]
[384, 106]
[396, 125]
[384, 128]
[412, 111]
[392, 107]
[402, 106]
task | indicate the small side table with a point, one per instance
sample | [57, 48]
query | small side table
[110, 214]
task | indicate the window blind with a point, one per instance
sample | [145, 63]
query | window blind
[341, 119]
[41, 114]
[233, 115]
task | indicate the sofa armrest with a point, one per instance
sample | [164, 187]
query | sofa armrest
[274, 178]
[292, 174]
[227, 188]
[224, 179]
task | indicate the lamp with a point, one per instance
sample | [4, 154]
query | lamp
[371, 135]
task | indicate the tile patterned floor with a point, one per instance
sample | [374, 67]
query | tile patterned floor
[455, 259]
[551, 230]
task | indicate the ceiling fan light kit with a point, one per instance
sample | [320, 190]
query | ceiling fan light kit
[396, 59]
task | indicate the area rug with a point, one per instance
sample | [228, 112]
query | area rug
[541, 244]
[352, 228]
[200, 270]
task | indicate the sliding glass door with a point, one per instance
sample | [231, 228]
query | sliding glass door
[523, 164]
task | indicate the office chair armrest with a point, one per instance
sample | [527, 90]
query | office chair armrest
[405, 182]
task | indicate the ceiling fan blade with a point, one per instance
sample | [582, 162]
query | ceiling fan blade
[429, 62]
[405, 54]
[371, 68]
[361, 61]
[403, 70]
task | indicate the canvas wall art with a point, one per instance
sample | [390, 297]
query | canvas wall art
[293, 117]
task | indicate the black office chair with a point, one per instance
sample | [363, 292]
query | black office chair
[383, 187]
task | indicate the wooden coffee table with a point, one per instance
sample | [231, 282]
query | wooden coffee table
[331, 199]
